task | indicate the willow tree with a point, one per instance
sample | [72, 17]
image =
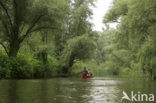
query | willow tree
[135, 32]
[21, 18]
[80, 15]
[77, 34]
[79, 48]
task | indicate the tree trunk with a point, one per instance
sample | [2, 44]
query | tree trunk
[14, 48]
[44, 53]
[71, 62]
[44, 56]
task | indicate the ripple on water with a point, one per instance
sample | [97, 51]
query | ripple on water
[103, 91]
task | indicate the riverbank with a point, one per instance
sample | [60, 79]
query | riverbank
[28, 67]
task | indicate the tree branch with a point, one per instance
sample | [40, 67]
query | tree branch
[30, 28]
[4, 48]
[8, 16]
[16, 18]
[21, 28]
[116, 21]
[42, 28]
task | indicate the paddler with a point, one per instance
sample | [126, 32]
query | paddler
[84, 73]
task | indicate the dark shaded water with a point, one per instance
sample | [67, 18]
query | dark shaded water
[73, 90]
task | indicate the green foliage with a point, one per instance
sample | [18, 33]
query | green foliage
[80, 13]
[15, 67]
[19, 19]
[56, 36]
[77, 66]
[26, 67]
[119, 8]
[50, 34]
[81, 48]
[52, 66]
[134, 40]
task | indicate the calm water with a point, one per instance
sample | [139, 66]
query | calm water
[72, 90]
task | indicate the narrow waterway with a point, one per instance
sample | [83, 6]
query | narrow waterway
[74, 90]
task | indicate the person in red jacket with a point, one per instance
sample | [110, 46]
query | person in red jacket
[84, 73]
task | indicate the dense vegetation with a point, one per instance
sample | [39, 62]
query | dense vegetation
[133, 44]
[55, 38]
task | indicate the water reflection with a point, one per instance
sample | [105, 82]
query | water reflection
[12, 91]
[71, 90]
[44, 95]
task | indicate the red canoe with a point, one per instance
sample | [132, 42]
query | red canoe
[84, 76]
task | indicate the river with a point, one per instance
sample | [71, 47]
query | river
[74, 90]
